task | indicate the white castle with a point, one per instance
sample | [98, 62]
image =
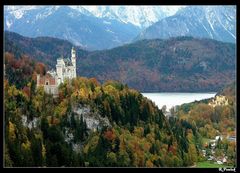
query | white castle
[65, 69]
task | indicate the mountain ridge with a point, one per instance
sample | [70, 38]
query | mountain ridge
[106, 27]
[66, 23]
[126, 14]
[176, 64]
[215, 22]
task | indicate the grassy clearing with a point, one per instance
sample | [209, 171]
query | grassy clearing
[205, 140]
[207, 164]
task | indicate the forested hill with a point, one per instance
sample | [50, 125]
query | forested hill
[43, 49]
[229, 90]
[176, 64]
[215, 117]
[88, 125]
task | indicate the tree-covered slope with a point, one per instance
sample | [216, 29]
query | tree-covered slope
[215, 117]
[89, 124]
[43, 49]
[176, 64]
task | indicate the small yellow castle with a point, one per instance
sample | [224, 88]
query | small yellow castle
[219, 100]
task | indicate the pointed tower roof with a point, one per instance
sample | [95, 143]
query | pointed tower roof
[61, 57]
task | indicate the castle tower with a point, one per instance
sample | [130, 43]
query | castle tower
[73, 59]
[59, 67]
[38, 79]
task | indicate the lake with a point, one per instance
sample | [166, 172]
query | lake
[175, 98]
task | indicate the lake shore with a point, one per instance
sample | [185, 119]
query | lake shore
[172, 99]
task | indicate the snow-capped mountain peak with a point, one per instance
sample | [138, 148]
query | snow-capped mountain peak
[19, 10]
[100, 27]
[215, 22]
[141, 16]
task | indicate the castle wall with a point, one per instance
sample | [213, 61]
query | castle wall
[49, 83]
[51, 89]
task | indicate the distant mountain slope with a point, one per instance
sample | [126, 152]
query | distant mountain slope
[215, 22]
[44, 49]
[229, 91]
[177, 64]
[78, 26]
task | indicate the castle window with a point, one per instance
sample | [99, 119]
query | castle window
[46, 83]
